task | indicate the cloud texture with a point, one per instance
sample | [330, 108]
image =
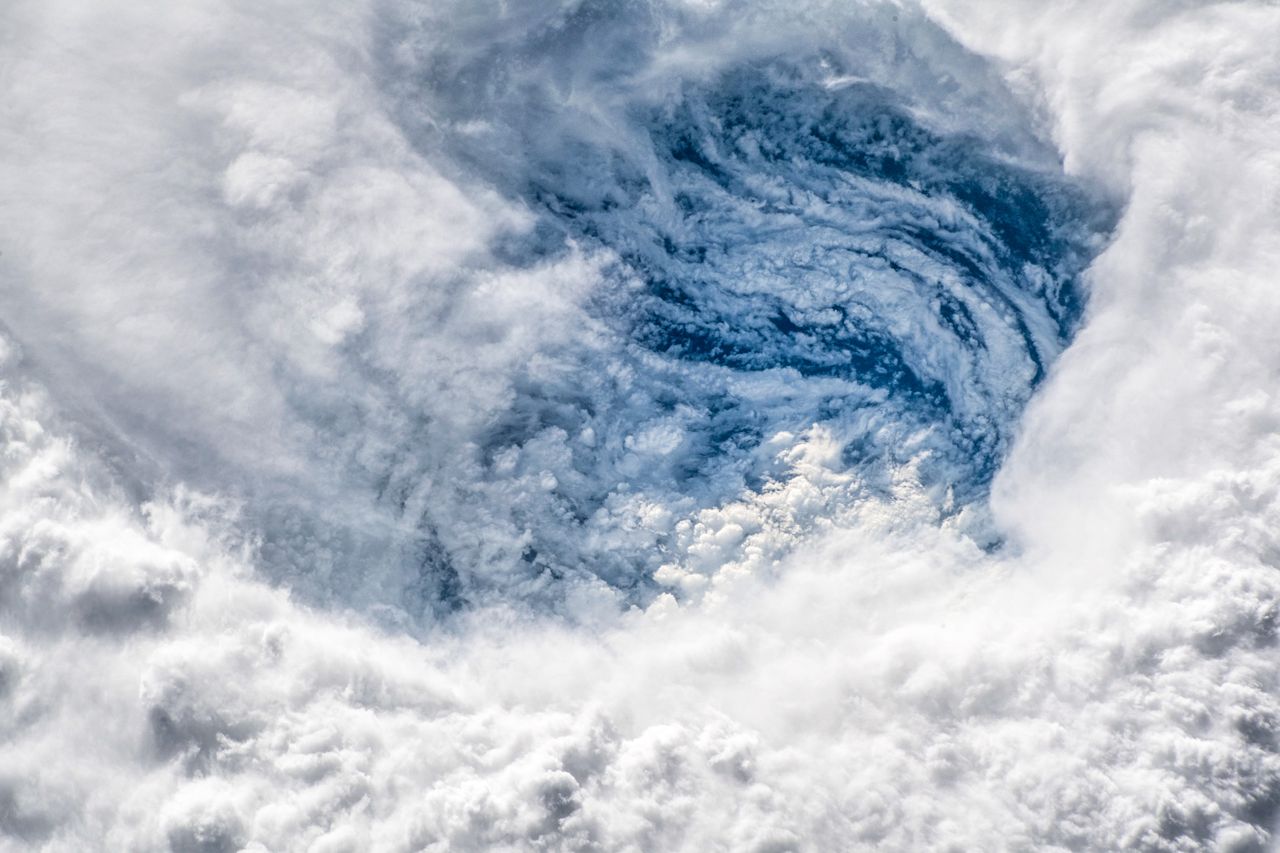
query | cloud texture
[386, 469]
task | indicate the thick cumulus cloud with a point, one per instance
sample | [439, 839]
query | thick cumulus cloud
[436, 426]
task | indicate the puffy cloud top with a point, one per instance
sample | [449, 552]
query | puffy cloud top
[451, 426]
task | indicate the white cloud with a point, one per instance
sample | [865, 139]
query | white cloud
[230, 263]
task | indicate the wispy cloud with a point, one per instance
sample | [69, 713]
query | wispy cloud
[377, 477]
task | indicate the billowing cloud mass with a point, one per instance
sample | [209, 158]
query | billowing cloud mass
[665, 425]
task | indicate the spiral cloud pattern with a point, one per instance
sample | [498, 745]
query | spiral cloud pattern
[639, 425]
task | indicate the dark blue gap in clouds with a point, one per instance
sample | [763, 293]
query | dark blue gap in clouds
[791, 248]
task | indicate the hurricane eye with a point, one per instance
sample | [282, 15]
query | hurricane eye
[808, 282]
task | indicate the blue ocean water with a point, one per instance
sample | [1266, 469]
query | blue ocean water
[826, 234]
[789, 247]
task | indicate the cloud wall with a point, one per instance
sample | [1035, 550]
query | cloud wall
[318, 404]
